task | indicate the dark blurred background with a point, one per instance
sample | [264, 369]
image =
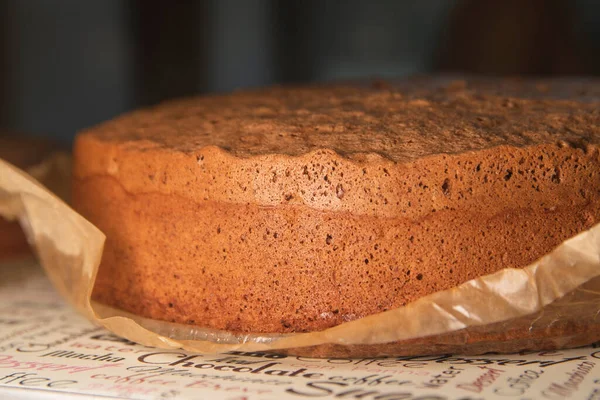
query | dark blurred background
[66, 65]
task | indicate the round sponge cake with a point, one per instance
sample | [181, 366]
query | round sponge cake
[293, 209]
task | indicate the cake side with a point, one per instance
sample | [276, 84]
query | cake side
[244, 266]
[543, 175]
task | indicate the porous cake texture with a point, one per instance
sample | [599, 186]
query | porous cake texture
[293, 209]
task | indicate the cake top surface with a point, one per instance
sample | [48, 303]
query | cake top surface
[398, 120]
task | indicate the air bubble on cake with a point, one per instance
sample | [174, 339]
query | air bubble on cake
[446, 186]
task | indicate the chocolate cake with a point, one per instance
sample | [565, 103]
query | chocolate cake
[293, 209]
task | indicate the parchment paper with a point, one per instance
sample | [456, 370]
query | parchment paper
[555, 299]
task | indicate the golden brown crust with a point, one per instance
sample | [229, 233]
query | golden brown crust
[401, 122]
[297, 209]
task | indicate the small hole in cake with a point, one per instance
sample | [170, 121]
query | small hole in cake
[366, 260]
[508, 175]
[170, 305]
[556, 176]
[446, 187]
[419, 277]
[328, 239]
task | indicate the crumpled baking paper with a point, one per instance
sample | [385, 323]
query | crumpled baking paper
[552, 303]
